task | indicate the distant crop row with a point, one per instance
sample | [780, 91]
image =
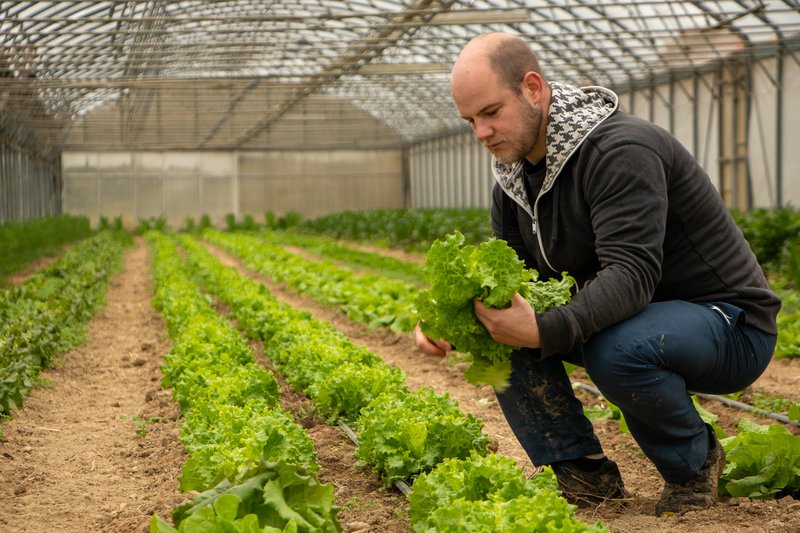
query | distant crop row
[23, 242]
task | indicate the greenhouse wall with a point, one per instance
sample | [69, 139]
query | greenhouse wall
[29, 186]
[451, 171]
[740, 120]
[178, 185]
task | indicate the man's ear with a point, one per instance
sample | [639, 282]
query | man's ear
[532, 83]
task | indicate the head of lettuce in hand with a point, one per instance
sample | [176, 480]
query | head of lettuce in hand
[491, 272]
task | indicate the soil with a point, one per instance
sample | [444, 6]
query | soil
[31, 268]
[98, 449]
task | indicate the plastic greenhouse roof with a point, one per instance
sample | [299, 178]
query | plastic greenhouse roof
[242, 69]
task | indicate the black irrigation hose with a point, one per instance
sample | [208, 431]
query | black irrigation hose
[400, 484]
[727, 401]
[745, 407]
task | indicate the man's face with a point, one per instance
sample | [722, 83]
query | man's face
[505, 122]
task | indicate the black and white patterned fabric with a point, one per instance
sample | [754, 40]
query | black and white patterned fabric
[574, 113]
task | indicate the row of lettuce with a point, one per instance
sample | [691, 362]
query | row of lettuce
[458, 482]
[47, 314]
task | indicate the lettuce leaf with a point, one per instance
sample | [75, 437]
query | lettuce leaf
[491, 272]
[490, 494]
[282, 498]
[761, 462]
[403, 434]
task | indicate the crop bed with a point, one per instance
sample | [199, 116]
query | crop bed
[98, 448]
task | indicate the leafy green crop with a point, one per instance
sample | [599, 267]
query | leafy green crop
[343, 393]
[47, 315]
[794, 413]
[403, 435]
[23, 242]
[328, 248]
[413, 229]
[490, 495]
[230, 442]
[491, 272]
[788, 344]
[366, 298]
[762, 462]
[281, 498]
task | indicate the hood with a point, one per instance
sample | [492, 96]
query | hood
[574, 114]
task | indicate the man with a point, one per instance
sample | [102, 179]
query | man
[670, 300]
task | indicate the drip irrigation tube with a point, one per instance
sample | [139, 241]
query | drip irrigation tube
[722, 399]
[745, 407]
[400, 484]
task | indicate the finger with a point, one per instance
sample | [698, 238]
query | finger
[480, 309]
[443, 345]
[518, 299]
[430, 347]
[427, 345]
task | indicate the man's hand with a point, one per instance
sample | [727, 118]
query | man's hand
[430, 346]
[515, 326]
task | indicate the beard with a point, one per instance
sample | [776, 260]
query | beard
[521, 142]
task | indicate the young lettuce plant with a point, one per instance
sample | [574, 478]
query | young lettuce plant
[491, 272]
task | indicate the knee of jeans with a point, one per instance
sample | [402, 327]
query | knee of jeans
[604, 366]
[616, 366]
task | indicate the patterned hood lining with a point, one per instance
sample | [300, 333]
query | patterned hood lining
[574, 113]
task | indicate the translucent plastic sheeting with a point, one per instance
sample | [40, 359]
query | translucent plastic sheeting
[230, 72]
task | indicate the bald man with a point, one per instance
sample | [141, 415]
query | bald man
[670, 299]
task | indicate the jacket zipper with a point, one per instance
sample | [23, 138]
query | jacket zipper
[537, 233]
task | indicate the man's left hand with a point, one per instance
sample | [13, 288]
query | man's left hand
[515, 326]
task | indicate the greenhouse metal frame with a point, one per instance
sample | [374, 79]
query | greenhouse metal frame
[155, 108]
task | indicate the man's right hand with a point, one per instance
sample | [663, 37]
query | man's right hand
[430, 346]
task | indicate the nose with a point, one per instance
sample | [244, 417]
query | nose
[482, 130]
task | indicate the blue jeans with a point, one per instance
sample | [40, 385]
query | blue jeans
[646, 365]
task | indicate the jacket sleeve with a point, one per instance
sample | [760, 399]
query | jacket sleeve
[625, 192]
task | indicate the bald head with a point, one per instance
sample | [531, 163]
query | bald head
[508, 57]
[498, 88]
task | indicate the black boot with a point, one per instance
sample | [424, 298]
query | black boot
[700, 492]
[584, 483]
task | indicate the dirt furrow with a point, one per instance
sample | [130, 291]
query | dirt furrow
[97, 449]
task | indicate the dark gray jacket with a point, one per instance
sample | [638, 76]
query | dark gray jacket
[630, 214]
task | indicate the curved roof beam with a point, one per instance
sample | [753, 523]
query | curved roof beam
[357, 54]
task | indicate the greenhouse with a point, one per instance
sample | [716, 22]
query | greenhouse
[144, 109]
[235, 235]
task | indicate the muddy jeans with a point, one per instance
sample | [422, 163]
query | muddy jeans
[646, 366]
